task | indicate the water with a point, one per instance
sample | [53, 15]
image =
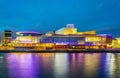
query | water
[59, 65]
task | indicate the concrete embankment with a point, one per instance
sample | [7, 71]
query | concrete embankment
[63, 51]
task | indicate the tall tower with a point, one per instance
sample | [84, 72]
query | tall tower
[6, 37]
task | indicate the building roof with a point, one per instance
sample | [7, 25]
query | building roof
[27, 32]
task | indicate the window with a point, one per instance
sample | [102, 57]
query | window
[8, 35]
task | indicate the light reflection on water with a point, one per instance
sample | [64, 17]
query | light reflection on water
[61, 68]
[59, 65]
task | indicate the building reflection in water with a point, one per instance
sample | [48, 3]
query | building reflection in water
[113, 65]
[91, 65]
[45, 61]
[21, 65]
[110, 64]
[117, 64]
[62, 65]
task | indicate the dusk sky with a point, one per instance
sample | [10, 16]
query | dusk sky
[48, 15]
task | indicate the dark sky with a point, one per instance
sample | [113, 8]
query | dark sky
[48, 15]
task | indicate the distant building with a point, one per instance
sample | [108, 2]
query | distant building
[6, 37]
[118, 40]
[116, 43]
[106, 39]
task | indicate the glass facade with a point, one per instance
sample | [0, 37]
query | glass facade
[64, 40]
[8, 34]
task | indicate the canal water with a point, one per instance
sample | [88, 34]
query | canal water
[59, 65]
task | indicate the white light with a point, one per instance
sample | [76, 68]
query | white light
[61, 43]
[70, 25]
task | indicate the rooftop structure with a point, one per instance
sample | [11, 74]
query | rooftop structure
[28, 33]
[92, 32]
[70, 26]
[69, 29]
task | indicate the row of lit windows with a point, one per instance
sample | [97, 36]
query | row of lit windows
[60, 47]
[72, 47]
[78, 47]
[92, 39]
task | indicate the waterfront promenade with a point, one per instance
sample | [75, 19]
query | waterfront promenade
[64, 51]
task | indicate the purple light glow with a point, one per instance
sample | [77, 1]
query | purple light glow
[23, 62]
[66, 43]
[104, 35]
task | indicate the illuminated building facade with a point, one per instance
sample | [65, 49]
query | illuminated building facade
[69, 36]
[106, 40]
[6, 37]
[27, 38]
[64, 41]
[92, 41]
[116, 43]
[65, 38]
[118, 40]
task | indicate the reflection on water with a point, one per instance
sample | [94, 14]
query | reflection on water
[59, 65]
[21, 65]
